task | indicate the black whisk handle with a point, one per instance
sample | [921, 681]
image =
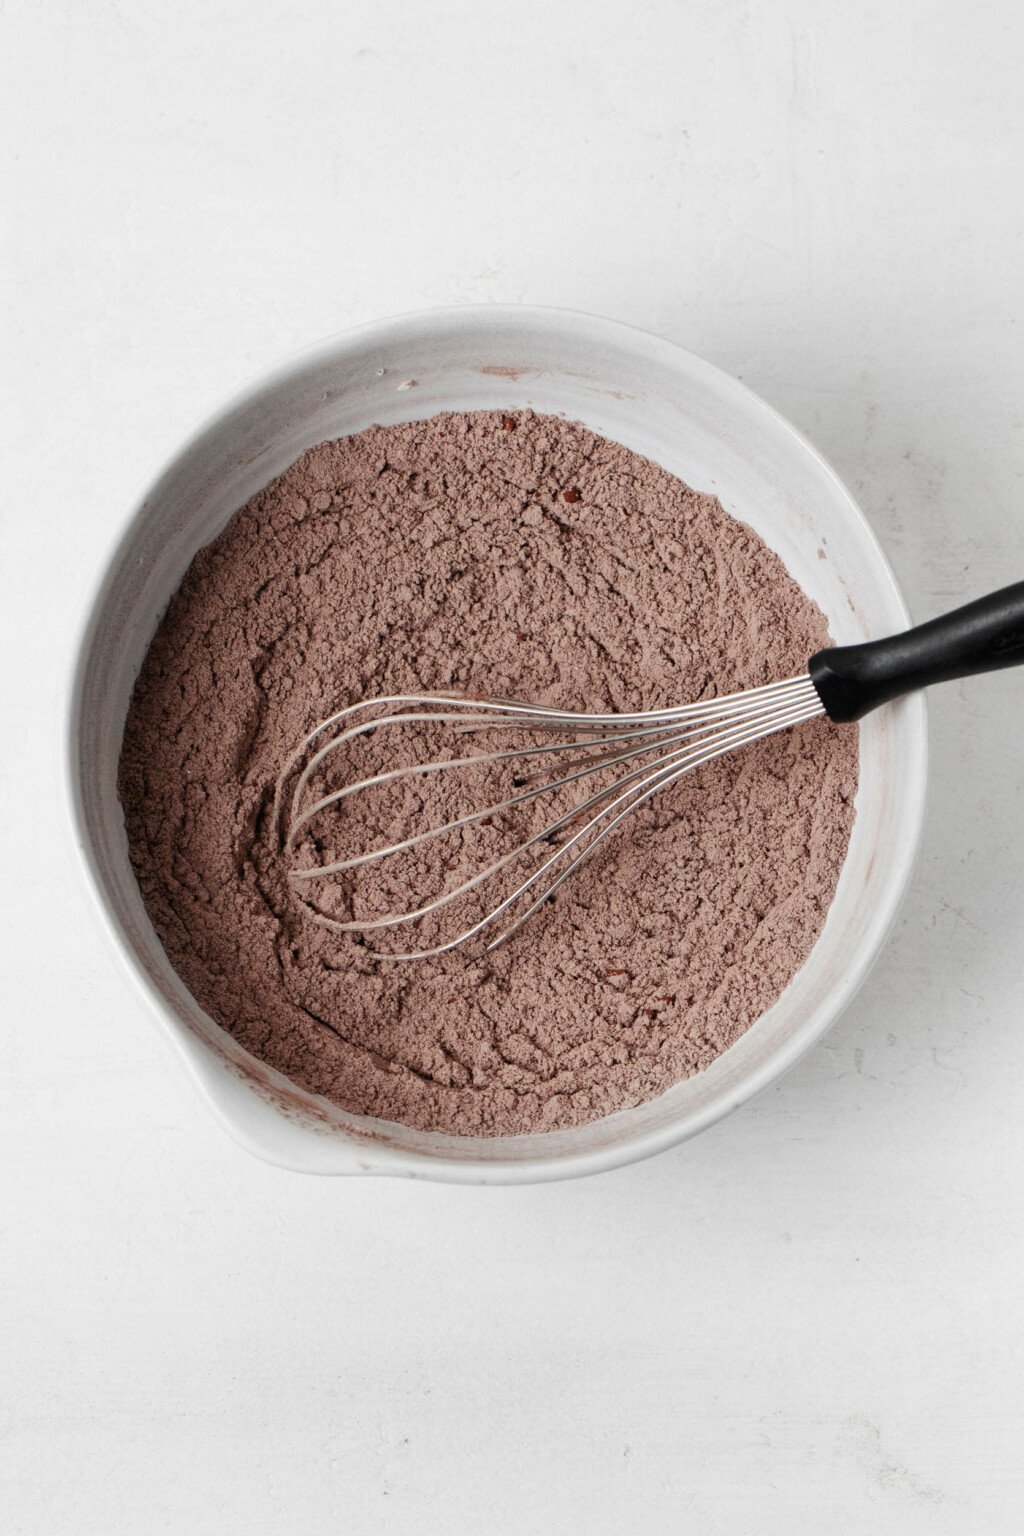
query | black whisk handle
[980, 637]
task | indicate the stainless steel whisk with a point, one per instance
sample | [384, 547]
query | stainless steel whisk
[653, 749]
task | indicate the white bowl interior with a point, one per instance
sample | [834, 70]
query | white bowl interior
[640, 391]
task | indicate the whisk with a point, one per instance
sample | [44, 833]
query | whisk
[649, 751]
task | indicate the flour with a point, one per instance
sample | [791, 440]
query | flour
[513, 555]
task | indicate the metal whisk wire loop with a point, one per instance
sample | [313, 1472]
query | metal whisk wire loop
[652, 749]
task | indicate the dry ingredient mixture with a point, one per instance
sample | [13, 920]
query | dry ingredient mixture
[521, 556]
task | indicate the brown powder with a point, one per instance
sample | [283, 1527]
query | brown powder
[521, 556]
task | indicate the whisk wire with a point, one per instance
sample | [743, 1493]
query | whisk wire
[661, 779]
[680, 740]
[523, 713]
[651, 782]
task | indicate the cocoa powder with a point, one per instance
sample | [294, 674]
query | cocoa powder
[509, 554]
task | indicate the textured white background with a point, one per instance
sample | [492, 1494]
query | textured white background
[812, 1317]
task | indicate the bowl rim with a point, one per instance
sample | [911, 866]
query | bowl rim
[377, 1158]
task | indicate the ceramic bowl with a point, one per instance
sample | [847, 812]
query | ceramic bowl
[641, 391]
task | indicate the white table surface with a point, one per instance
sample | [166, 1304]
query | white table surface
[810, 1318]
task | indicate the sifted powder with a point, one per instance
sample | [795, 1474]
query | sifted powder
[521, 556]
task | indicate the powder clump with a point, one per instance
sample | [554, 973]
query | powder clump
[521, 556]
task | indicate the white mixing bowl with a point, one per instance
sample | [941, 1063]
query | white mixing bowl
[641, 391]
